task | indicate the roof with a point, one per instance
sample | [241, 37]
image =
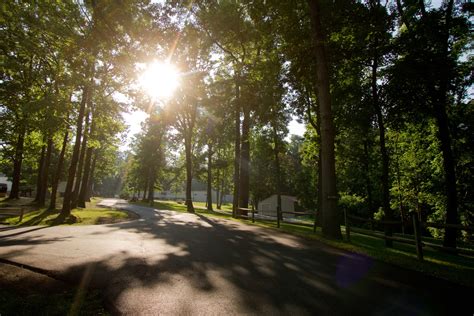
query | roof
[288, 197]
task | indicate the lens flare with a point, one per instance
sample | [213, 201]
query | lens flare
[160, 80]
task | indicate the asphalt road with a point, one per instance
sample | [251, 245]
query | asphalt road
[171, 263]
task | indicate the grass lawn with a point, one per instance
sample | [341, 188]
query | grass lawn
[91, 215]
[456, 268]
[225, 207]
[180, 207]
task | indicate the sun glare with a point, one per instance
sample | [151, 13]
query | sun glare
[160, 80]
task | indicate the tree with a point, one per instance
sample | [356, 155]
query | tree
[330, 224]
[432, 43]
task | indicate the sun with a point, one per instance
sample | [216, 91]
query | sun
[160, 80]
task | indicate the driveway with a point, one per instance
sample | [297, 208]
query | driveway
[177, 263]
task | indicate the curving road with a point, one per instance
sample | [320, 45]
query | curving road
[178, 264]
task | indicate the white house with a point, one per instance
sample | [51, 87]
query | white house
[268, 207]
[198, 194]
[4, 179]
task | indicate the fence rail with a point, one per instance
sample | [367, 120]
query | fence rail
[417, 237]
[455, 226]
[244, 213]
[12, 211]
[374, 221]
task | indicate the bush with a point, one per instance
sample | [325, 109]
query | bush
[124, 195]
[352, 203]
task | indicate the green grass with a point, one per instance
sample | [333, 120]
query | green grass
[163, 205]
[91, 215]
[180, 207]
[456, 268]
[225, 207]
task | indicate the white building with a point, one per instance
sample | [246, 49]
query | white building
[268, 207]
[198, 194]
[4, 179]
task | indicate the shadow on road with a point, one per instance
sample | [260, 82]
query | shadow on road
[182, 262]
[21, 232]
[263, 274]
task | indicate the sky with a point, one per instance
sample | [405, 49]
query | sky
[136, 118]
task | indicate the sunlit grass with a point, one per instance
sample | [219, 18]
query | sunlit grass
[225, 207]
[164, 205]
[91, 215]
[181, 207]
[456, 268]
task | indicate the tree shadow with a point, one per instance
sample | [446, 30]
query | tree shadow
[62, 219]
[23, 231]
[235, 268]
[6, 241]
[38, 218]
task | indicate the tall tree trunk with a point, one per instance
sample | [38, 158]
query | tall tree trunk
[244, 189]
[331, 226]
[81, 200]
[82, 155]
[151, 186]
[218, 189]
[39, 176]
[15, 191]
[189, 174]
[45, 172]
[276, 153]
[441, 114]
[450, 176]
[221, 200]
[399, 184]
[209, 177]
[235, 199]
[57, 175]
[319, 215]
[388, 213]
[145, 188]
[91, 177]
[66, 210]
[317, 126]
[368, 185]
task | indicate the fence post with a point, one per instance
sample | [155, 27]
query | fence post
[21, 215]
[314, 224]
[417, 231]
[348, 228]
[278, 216]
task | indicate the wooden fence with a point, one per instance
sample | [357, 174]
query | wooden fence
[244, 213]
[12, 211]
[416, 238]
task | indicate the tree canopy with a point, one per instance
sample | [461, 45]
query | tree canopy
[384, 90]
